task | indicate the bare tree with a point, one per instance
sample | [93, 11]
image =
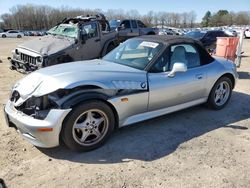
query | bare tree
[133, 14]
[192, 17]
[34, 17]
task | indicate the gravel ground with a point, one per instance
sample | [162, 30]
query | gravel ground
[196, 147]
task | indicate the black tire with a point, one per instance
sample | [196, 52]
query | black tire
[12, 67]
[69, 131]
[19, 36]
[211, 103]
[3, 36]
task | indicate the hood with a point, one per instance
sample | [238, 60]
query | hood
[47, 45]
[106, 75]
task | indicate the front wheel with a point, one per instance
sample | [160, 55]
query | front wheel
[19, 36]
[220, 93]
[3, 36]
[88, 126]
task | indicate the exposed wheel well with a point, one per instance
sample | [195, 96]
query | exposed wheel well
[151, 33]
[111, 43]
[230, 76]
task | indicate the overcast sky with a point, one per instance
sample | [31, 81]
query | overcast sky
[143, 6]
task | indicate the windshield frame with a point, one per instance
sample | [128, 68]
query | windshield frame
[51, 31]
[162, 48]
[116, 24]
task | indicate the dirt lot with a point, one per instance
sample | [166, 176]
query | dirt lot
[196, 147]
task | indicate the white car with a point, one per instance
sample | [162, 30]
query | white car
[231, 33]
[12, 33]
[247, 33]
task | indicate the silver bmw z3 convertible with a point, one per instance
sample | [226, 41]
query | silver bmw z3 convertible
[145, 77]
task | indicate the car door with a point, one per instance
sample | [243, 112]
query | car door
[91, 48]
[125, 30]
[135, 28]
[185, 87]
[9, 33]
[13, 34]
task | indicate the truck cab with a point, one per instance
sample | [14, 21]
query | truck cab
[131, 28]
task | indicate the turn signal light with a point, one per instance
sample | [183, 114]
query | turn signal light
[45, 129]
[124, 99]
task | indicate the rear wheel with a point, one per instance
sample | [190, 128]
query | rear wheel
[88, 126]
[220, 93]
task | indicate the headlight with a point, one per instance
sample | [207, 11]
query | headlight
[14, 96]
[39, 59]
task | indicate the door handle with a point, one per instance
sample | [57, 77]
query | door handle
[199, 76]
[97, 40]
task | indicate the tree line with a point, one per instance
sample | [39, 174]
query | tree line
[224, 17]
[35, 17]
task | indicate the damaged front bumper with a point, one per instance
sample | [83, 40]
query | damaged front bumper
[42, 133]
[21, 66]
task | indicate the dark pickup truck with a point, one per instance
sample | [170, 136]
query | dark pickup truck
[131, 28]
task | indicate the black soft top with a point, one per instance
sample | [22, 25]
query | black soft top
[169, 40]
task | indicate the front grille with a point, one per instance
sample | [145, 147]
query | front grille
[28, 59]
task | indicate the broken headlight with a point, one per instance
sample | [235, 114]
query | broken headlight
[39, 60]
[37, 107]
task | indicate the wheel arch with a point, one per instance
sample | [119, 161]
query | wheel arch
[82, 96]
[151, 33]
[112, 41]
[230, 76]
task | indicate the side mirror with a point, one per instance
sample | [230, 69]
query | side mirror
[177, 67]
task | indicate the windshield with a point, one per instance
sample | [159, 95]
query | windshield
[114, 23]
[67, 30]
[135, 53]
[195, 34]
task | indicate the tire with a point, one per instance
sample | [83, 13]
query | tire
[220, 93]
[91, 118]
[19, 36]
[3, 36]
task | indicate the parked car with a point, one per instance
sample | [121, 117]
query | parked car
[12, 34]
[207, 38]
[231, 32]
[131, 28]
[165, 32]
[178, 31]
[73, 39]
[247, 33]
[145, 77]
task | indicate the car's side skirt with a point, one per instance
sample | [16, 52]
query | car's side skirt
[156, 113]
